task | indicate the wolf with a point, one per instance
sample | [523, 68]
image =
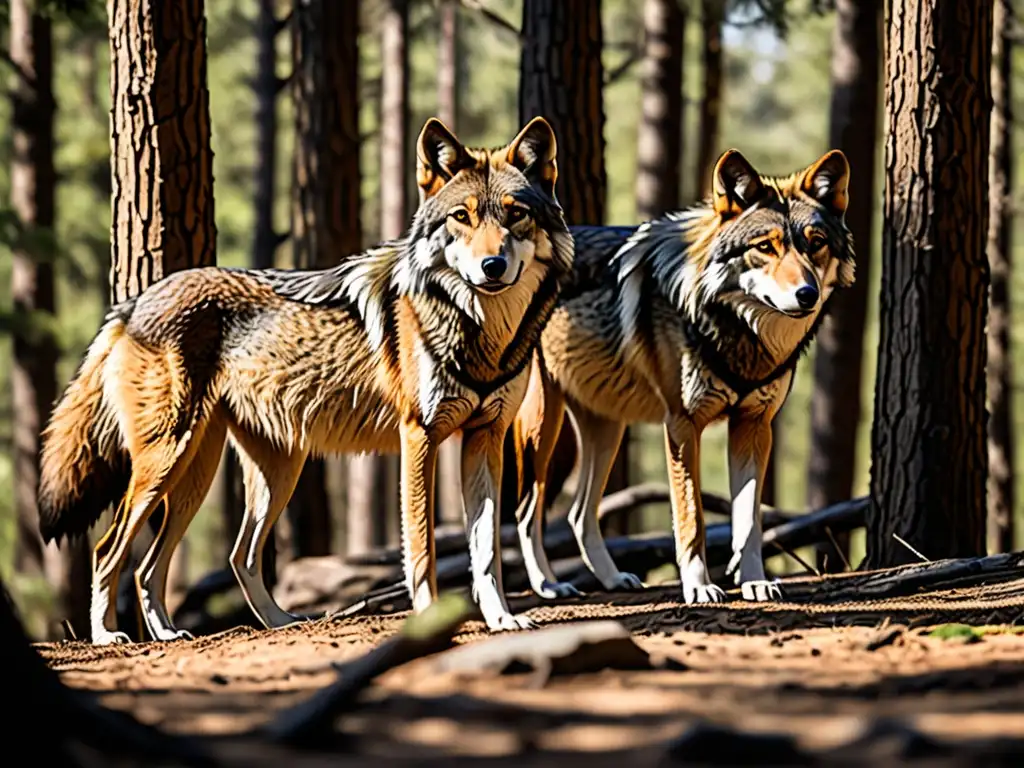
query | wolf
[393, 351]
[692, 318]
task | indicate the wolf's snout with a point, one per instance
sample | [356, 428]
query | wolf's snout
[806, 296]
[494, 267]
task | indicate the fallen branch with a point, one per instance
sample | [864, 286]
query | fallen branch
[311, 722]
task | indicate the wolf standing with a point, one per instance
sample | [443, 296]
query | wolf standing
[691, 318]
[392, 351]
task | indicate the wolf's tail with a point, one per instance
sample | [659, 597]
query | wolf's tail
[84, 466]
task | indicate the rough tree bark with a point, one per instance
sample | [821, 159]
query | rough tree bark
[161, 158]
[660, 134]
[373, 480]
[836, 400]
[930, 458]
[712, 13]
[561, 78]
[1000, 229]
[34, 369]
[449, 54]
[325, 194]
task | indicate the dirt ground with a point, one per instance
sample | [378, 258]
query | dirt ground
[840, 674]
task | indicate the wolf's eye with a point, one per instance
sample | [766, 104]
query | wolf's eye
[817, 243]
[516, 214]
[765, 246]
[460, 216]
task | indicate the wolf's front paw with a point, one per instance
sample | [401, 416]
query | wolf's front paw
[506, 622]
[106, 637]
[552, 590]
[167, 634]
[703, 593]
[761, 591]
[626, 582]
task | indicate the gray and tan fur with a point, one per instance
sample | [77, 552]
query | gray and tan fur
[393, 351]
[689, 319]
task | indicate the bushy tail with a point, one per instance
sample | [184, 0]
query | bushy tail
[84, 467]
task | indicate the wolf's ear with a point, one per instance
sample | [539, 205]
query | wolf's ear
[439, 156]
[533, 152]
[736, 185]
[828, 181]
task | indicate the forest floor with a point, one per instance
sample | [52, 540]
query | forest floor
[841, 673]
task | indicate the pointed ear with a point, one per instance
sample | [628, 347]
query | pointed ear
[828, 181]
[533, 152]
[736, 185]
[439, 156]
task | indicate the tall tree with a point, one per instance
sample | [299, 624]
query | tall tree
[712, 13]
[1000, 228]
[449, 456]
[373, 480]
[561, 77]
[161, 158]
[34, 371]
[836, 400]
[930, 458]
[660, 133]
[325, 193]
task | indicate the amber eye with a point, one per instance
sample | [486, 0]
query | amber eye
[516, 214]
[460, 216]
[765, 246]
[817, 243]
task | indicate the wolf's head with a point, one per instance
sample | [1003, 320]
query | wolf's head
[779, 244]
[489, 216]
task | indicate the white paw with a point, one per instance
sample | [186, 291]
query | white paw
[107, 637]
[703, 593]
[761, 591]
[624, 581]
[168, 634]
[551, 590]
[506, 622]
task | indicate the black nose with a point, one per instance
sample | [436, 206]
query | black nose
[494, 267]
[806, 297]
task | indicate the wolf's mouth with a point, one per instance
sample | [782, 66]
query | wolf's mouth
[497, 286]
[796, 314]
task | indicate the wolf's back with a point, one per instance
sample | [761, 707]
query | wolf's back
[84, 467]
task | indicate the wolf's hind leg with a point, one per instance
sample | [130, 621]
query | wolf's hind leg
[535, 430]
[183, 502]
[598, 442]
[270, 477]
[154, 470]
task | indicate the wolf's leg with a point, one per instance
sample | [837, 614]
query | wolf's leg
[154, 467]
[537, 424]
[419, 464]
[750, 443]
[270, 477]
[481, 481]
[183, 502]
[598, 442]
[682, 447]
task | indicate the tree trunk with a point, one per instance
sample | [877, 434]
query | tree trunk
[325, 194]
[836, 400]
[712, 12]
[1000, 228]
[161, 158]
[660, 149]
[449, 457]
[561, 78]
[930, 458]
[373, 480]
[34, 370]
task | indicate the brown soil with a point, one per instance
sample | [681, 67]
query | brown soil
[837, 681]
